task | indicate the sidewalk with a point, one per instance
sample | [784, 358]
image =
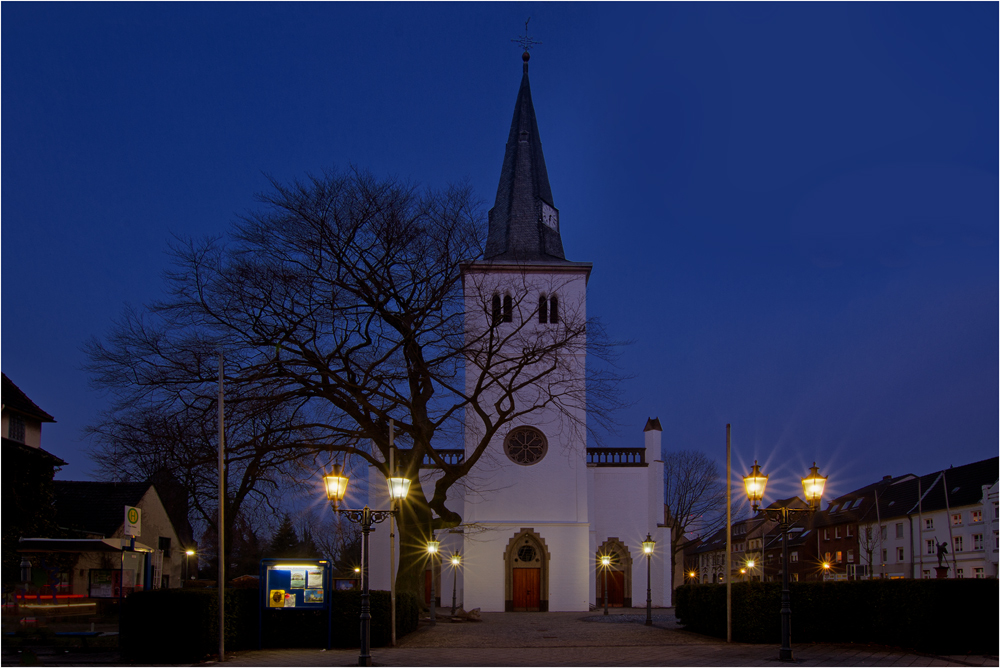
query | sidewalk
[587, 639]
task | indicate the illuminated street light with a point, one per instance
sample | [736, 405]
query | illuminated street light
[812, 486]
[647, 548]
[605, 565]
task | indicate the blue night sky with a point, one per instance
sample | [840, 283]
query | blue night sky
[791, 208]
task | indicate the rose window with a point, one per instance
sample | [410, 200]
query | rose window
[525, 446]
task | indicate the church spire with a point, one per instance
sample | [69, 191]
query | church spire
[524, 223]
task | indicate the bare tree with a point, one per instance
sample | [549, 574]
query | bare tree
[340, 302]
[695, 497]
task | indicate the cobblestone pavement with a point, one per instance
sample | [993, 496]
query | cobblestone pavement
[587, 639]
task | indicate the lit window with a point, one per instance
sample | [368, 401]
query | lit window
[956, 519]
[929, 523]
[793, 557]
[976, 516]
[840, 556]
[977, 541]
[900, 554]
[959, 543]
[795, 577]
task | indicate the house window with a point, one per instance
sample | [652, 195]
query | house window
[899, 529]
[826, 534]
[885, 533]
[927, 575]
[543, 309]
[836, 532]
[15, 428]
[931, 548]
[850, 530]
[508, 309]
[979, 573]
[929, 524]
[868, 533]
[900, 554]
[960, 573]
[793, 557]
[165, 547]
[553, 309]
[827, 556]
[977, 541]
[956, 519]
[840, 556]
[959, 543]
[850, 556]
[976, 516]
[164, 582]
[795, 577]
[885, 555]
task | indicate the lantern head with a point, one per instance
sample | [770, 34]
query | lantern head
[648, 544]
[812, 486]
[336, 485]
[755, 484]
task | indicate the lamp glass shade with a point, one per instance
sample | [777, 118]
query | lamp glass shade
[189, 553]
[433, 545]
[648, 544]
[398, 488]
[605, 561]
[750, 563]
[812, 486]
[456, 560]
[755, 484]
[336, 484]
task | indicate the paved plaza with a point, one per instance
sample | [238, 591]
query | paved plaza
[587, 639]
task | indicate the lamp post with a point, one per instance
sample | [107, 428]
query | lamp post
[605, 565]
[647, 549]
[456, 561]
[187, 563]
[432, 550]
[812, 486]
[336, 487]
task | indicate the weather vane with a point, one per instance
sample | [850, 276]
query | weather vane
[526, 42]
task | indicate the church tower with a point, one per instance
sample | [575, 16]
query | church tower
[527, 543]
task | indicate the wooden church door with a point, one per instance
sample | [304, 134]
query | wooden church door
[526, 584]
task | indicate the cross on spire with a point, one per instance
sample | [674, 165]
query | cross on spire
[525, 41]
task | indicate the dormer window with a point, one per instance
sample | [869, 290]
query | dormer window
[548, 309]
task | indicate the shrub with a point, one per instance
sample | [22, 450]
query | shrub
[182, 625]
[934, 616]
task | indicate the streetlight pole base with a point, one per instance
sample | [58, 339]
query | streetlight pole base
[785, 654]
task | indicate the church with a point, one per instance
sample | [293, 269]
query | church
[548, 523]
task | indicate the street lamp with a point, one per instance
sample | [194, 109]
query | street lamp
[693, 575]
[456, 561]
[605, 565]
[647, 549]
[432, 550]
[336, 488]
[812, 487]
[187, 562]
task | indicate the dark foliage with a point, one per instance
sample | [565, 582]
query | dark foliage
[182, 625]
[934, 616]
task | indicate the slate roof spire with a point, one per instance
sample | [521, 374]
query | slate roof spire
[524, 223]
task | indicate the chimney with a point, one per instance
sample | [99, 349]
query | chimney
[653, 434]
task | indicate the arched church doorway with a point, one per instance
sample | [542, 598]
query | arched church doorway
[526, 573]
[619, 574]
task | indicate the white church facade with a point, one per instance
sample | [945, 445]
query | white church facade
[540, 509]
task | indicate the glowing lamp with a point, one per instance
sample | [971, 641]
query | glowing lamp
[755, 484]
[398, 488]
[648, 544]
[336, 485]
[812, 486]
[456, 559]
[605, 561]
[432, 546]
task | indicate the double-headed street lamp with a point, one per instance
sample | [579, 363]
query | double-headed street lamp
[812, 486]
[647, 549]
[336, 487]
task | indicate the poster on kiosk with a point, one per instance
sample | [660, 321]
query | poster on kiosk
[294, 584]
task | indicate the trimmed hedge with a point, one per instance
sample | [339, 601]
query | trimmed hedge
[933, 616]
[182, 625]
